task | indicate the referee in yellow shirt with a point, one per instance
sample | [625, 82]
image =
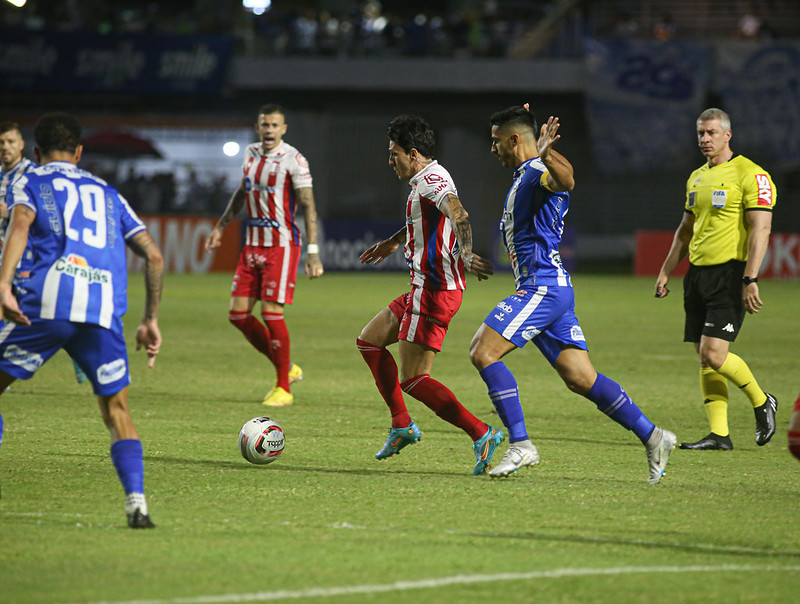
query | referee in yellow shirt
[725, 231]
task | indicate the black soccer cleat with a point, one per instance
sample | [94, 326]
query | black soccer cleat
[137, 520]
[765, 420]
[712, 442]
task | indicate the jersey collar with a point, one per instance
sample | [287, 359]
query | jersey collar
[419, 175]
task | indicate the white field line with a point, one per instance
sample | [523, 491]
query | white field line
[557, 573]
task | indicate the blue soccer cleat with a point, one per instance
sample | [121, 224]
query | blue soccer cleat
[399, 438]
[485, 447]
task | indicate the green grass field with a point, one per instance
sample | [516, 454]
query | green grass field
[329, 523]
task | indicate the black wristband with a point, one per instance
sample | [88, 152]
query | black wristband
[749, 280]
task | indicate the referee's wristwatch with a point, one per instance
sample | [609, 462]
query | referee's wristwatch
[749, 280]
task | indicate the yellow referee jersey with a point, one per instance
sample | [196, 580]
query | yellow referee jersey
[718, 197]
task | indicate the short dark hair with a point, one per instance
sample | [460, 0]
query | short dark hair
[9, 126]
[517, 116]
[271, 108]
[57, 131]
[412, 132]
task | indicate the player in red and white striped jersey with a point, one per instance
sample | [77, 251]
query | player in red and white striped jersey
[438, 249]
[276, 178]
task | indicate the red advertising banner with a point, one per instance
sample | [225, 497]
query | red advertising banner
[182, 242]
[781, 262]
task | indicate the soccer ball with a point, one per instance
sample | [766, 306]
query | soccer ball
[261, 440]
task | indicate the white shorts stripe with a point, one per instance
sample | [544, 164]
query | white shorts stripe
[526, 312]
[287, 256]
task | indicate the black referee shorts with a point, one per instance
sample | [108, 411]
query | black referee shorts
[712, 299]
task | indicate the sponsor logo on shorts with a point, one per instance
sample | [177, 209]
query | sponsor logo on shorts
[576, 333]
[530, 333]
[29, 361]
[708, 324]
[500, 316]
[729, 328]
[504, 307]
[111, 372]
[764, 190]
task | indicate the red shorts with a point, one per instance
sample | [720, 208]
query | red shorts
[266, 273]
[425, 314]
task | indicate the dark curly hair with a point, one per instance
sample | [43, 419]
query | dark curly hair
[57, 131]
[412, 132]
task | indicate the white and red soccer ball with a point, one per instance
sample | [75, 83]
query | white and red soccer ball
[261, 440]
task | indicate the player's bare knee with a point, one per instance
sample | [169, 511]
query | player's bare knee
[479, 356]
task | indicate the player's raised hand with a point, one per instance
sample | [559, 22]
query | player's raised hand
[548, 136]
[478, 266]
[378, 252]
[149, 335]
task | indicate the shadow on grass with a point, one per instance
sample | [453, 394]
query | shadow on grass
[699, 548]
[284, 467]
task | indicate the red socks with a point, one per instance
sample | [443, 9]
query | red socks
[438, 398]
[280, 355]
[272, 341]
[384, 369]
[254, 331]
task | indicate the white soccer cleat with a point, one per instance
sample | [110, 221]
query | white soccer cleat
[659, 446]
[515, 458]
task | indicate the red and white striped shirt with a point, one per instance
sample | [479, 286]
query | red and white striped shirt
[431, 248]
[270, 180]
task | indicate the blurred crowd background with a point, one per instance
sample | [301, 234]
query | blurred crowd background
[180, 79]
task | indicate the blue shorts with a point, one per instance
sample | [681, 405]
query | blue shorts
[100, 352]
[545, 314]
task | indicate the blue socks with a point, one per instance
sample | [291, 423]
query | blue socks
[609, 397]
[505, 396]
[1, 429]
[612, 400]
[127, 458]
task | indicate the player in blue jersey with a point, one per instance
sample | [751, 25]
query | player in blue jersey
[63, 284]
[12, 165]
[542, 308]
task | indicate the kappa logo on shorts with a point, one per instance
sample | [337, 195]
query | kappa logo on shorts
[111, 372]
[29, 361]
[729, 328]
[576, 333]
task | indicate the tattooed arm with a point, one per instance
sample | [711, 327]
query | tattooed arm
[480, 267]
[305, 197]
[148, 334]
